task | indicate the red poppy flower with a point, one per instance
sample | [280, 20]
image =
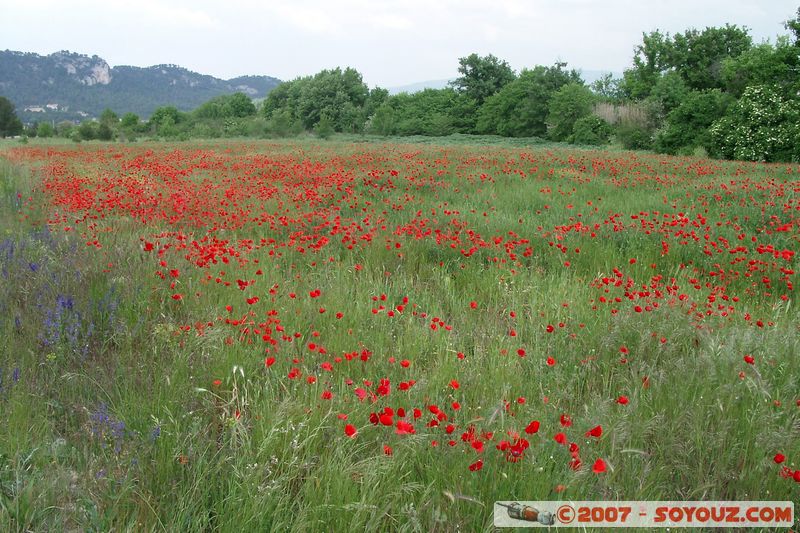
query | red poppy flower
[477, 465]
[599, 466]
[532, 428]
[596, 432]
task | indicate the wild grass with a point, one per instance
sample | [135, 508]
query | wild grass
[111, 419]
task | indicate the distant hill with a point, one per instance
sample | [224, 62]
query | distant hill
[70, 86]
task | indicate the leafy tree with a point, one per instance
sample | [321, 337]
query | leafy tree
[696, 56]
[686, 127]
[237, 105]
[164, 121]
[762, 126]
[607, 88]
[45, 130]
[129, 121]
[109, 118]
[87, 130]
[634, 135]
[650, 59]
[481, 77]
[427, 112]
[568, 104]
[764, 64]
[382, 121]
[668, 93]
[341, 94]
[590, 129]
[324, 128]
[520, 108]
[10, 124]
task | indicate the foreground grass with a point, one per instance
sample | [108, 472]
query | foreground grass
[115, 419]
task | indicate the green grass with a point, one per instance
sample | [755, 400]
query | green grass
[114, 421]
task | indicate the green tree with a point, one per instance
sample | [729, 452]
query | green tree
[165, 120]
[382, 121]
[129, 121]
[686, 127]
[590, 129]
[45, 130]
[341, 94]
[481, 77]
[10, 124]
[607, 88]
[520, 108]
[650, 59]
[764, 64]
[324, 128]
[568, 104]
[427, 112]
[762, 126]
[696, 56]
[87, 130]
[668, 93]
[109, 118]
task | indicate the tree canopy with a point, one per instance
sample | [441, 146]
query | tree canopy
[9, 122]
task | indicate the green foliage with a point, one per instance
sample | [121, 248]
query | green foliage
[87, 130]
[762, 126]
[340, 94]
[568, 104]
[686, 127]
[324, 128]
[425, 112]
[634, 135]
[45, 130]
[607, 88]
[482, 76]
[237, 105]
[382, 121]
[10, 124]
[592, 130]
[764, 64]
[668, 93]
[165, 120]
[520, 108]
[695, 56]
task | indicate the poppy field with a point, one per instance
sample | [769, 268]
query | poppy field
[306, 336]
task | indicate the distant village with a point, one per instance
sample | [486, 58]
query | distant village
[52, 107]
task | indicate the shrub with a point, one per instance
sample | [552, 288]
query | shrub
[591, 130]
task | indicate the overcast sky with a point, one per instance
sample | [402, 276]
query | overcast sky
[392, 42]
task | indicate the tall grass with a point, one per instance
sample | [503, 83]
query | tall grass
[113, 418]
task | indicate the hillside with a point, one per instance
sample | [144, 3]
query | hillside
[70, 86]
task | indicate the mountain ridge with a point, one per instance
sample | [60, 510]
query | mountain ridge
[66, 85]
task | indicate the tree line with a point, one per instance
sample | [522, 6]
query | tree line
[704, 92]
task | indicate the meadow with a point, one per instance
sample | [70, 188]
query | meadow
[340, 336]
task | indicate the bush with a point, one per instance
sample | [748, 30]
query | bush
[591, 130]
[324, 128]
[570, 103]
[762, 126]
[634, 135]
[687, 125]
